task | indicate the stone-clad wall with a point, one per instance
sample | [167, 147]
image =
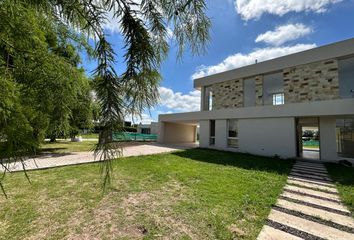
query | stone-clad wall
[311, 82]
[228, 94]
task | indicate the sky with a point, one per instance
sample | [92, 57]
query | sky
[242, 31]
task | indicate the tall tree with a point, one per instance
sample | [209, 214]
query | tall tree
[144, 25]
[40, 82]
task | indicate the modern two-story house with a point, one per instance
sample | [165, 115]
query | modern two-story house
[262, 108]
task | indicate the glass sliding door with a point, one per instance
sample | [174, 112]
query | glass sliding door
[345, 137]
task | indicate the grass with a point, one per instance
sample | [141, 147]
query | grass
[311, 146]
[344, 179]
[191, 194]
[89, 135]
[64, 146]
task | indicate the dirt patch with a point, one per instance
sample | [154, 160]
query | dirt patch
[45, 224]
[237, 231]
[133, 216]
[157, 206]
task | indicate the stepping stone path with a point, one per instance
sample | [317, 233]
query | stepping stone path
[309, 208]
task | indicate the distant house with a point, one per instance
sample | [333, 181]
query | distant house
[264, 108]
[151, 128]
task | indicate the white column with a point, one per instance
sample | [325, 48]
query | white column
[202, 98]
[161, 132]
[221, 134]
[204, 133]
[328, 145]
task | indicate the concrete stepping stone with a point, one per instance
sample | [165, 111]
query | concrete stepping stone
[310, 176]
[316, 201]
[310, 227]
[312, 192]
[331, 185]
[310, 173]
[269, 233]
[309, 208]
[311, 167]
[313, 185]
[325, 215]
[306, 171]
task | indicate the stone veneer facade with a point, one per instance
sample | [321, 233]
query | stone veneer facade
[228, 94]
[311, 82]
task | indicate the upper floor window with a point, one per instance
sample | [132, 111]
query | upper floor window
[249, 92]
[346, 77]
[273, 89]
[278, 98]
[208, 99]
[232, 135]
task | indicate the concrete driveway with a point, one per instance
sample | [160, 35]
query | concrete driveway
[49, 160]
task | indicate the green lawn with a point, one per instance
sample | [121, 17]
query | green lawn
[64, 146]
[89, 135]
[192, 194]
[344, 179]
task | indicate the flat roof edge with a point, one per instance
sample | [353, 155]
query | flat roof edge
[333, 50]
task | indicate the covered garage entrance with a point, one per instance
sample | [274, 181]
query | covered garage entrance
[178, 132]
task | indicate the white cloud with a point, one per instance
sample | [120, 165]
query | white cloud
[284, 33]
[254, 9]
[144, 118]
[240, 59]
[177, 101]
[164, 112]
[112, 23]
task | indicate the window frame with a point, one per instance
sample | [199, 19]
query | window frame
[232, 138]
[274, 97]
[211, 137]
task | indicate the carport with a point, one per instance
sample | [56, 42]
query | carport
[178, 131]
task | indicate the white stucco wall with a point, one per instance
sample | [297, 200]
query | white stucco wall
[204, 133]
[328, 145]
[221, 134]
[268, 136]
[153, 126]
[260, 136]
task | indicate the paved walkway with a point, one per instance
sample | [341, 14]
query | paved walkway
[308, 208]
[55, 160]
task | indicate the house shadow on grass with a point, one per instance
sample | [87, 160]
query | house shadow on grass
[239, 160]
[341, 174]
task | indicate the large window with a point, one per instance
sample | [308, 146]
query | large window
[273, 90]
[232, 136]
[346, 77]
[208, 99]
[249, 92]
[212, 132]
[345, 137]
